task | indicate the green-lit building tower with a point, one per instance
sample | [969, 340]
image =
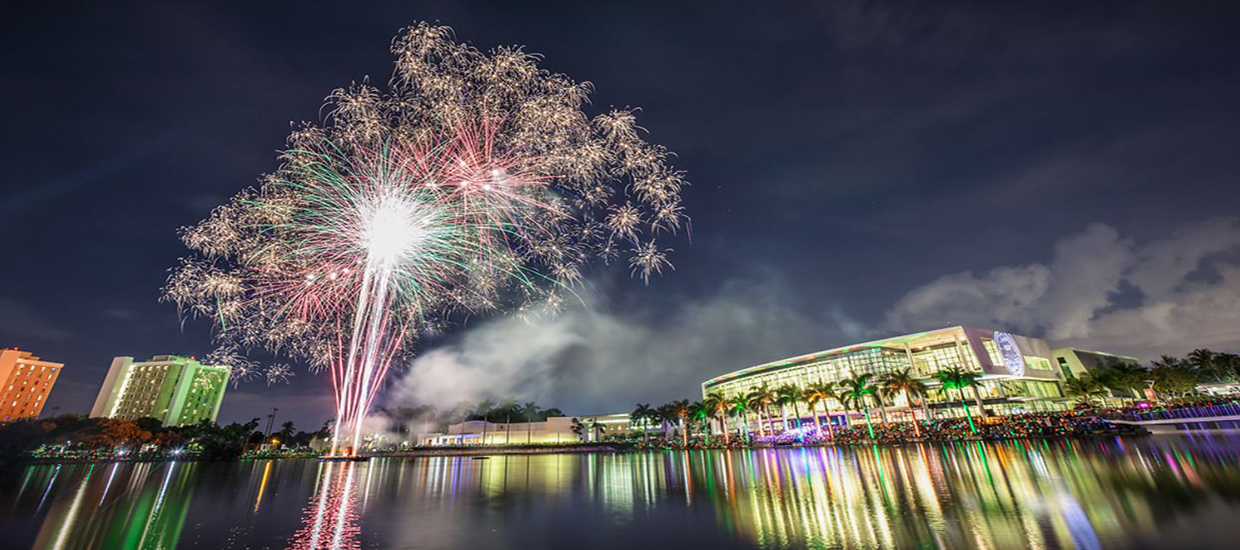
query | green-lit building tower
[176, 390]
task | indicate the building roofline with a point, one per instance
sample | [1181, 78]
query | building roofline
[172, 358]
[1096, 352]
[810, 357]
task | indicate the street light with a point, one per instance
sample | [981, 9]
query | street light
[271, 418]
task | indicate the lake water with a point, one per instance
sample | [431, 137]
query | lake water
[1109, 493]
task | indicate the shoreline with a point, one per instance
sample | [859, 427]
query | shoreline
[617, 449]
[500, 450]
[612, 448]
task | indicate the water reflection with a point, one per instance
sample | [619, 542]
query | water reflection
[330, 521]
[115, 506]
[1085, 494]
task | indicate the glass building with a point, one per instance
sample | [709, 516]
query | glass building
[176, 390]
[1016, 373]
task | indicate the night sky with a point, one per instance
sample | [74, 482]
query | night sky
[858, 170]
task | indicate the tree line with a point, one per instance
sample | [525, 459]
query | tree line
[1170, 377]
[411, 420]
[771, 406]
[206, 440]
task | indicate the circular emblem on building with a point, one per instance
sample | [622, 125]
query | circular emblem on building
[1012, 358]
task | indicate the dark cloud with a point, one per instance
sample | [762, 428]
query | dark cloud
[849, 151]
[1076, 298]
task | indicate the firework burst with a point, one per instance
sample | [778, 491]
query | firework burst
[278, 373]
[475, 182]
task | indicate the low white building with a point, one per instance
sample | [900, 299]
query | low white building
[556, 429]
[1219, 389]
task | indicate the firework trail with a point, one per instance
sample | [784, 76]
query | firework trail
[474, 182]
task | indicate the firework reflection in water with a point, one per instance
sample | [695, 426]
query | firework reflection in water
[330, 520]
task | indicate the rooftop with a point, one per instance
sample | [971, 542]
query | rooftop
[918, 339]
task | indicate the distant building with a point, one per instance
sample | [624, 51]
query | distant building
[555, 429]
[25, 382]
[1219, 389]
[173, 389]
[1075, 362]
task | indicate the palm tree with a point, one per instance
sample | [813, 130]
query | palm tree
[761, 398]
[880, 396]
[903, 382]
[971, 380]
[821, 392]
[1173, 379]
[922, 392]
[640, 416]
[856, 389]
[1167, 361]
[1213, 366]
[530, 412]
[1086, 387]
[1202, 360]
[665, 416]
[680, 411]
[740, 408]
[957, 379]
[1230, 363]
[286, 431]
[717, 404]
[791, 394]
[580, 430]
[698, 413]
[1123, 379]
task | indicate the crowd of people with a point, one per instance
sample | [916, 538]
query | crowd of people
[1057, 424]
[1208, 407]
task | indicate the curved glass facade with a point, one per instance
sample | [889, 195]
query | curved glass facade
[1017, 374]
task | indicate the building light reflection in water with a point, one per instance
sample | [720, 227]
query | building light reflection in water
[1035, 493]
[149, 512]
[262, 485]
[1040, 494]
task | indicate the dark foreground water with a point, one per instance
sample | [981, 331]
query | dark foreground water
[1152, 492]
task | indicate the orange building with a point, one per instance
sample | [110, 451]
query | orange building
[25, 382]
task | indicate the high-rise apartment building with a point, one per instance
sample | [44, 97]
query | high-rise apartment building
[174, 389]
[25, 382]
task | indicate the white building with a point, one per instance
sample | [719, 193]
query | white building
[556, 429]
